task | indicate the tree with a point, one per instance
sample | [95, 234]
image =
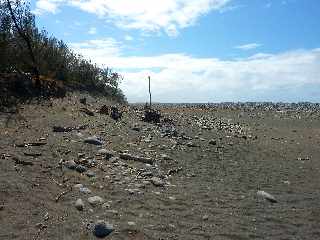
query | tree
[23, 21]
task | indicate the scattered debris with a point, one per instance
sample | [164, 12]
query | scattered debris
[127, 156]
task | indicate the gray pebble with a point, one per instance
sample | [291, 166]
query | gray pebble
[96, 200]
[90, 174]
[79, 204]
[70, 164]
[106, 153]
[85, 190]
[93, 140]
[157, 182]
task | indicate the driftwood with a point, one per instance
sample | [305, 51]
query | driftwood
[87, 111]
[68, 129]
[25, 163]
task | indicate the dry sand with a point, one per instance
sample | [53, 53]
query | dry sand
[208, 165]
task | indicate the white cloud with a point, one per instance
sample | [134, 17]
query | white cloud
[146, 15]
[43, 6]
[182, 78]
[248, 46]
[92, 31]
[98, 50]
[128, 38]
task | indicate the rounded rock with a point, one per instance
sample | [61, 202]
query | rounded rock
[85, 190]
[102, 229]
[90, 174]
[81, 169]
[79, 204]
[70, 164]
[96, 200]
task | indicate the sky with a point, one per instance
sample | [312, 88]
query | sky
[196, 50]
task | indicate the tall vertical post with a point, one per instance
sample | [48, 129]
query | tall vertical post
[149, 92]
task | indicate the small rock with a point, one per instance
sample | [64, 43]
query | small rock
[157, 182]
[191, 144]
[106, 205]
[205, 217]
[83, 101]
[81, 168]
[96, 200]
[136, 128]
[267, 196]
[85, 190]
[93, 140]
[165, 157]
[102, 229]
[115, 113]
[79, 204]
[70, 164]
[78, 186]
[106, 153]
[90, 174]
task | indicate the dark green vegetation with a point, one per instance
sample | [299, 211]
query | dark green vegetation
[34, 63]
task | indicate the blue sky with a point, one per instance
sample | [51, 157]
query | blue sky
[196, 50]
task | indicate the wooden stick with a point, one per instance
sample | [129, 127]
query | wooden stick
[149, 91]
[62, 194]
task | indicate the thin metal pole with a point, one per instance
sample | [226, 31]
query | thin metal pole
[149, 91]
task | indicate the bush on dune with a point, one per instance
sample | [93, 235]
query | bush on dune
[27, 51]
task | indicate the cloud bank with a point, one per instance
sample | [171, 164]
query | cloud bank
[177, 77]
[145, 15]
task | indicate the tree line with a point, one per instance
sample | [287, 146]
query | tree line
[24, 49]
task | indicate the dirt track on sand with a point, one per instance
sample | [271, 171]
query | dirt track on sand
[209, 164]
